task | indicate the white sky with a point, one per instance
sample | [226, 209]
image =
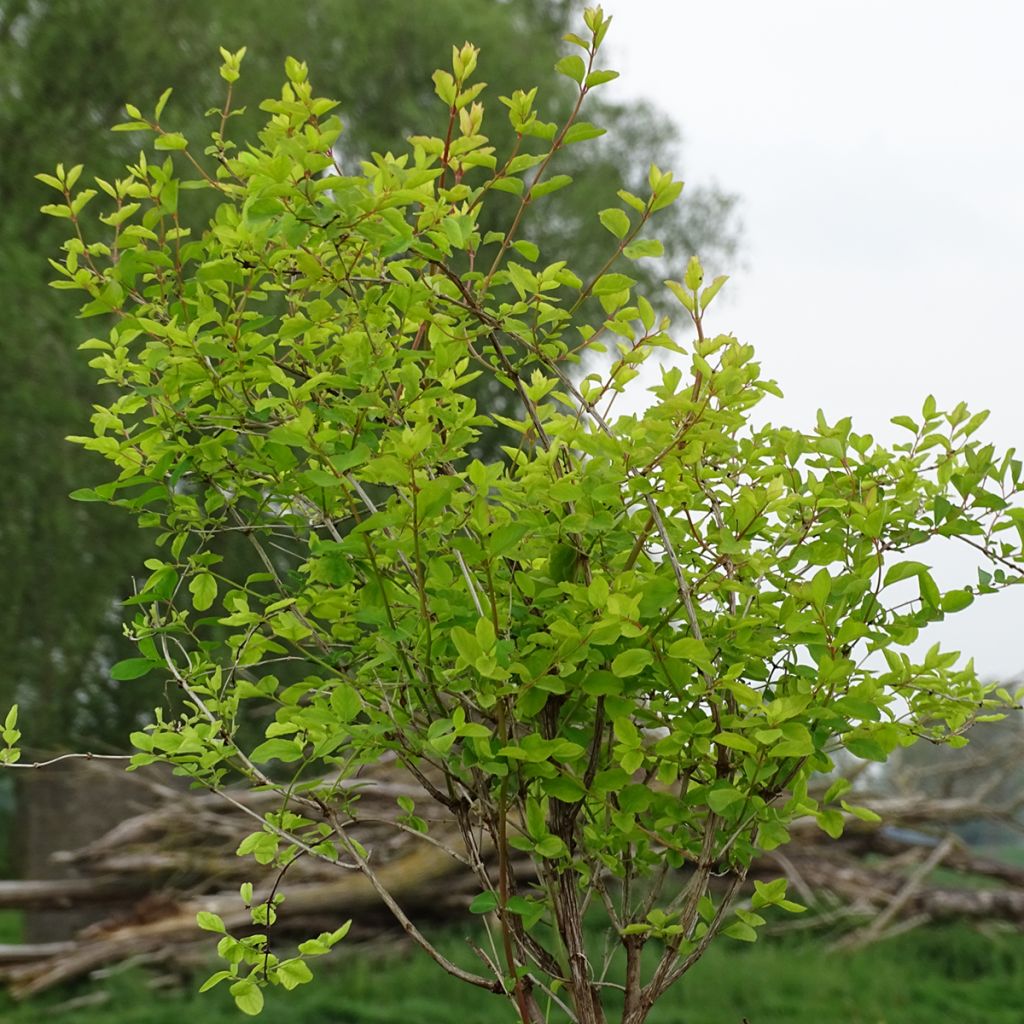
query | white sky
[878, 151]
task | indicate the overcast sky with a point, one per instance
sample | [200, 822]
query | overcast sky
[878, 151]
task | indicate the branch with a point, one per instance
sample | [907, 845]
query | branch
[68, 757]
[402, 918]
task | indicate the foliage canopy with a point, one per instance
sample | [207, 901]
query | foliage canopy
[64, 76]
[622, 646]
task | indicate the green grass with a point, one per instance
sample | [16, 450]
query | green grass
[934, 975]
[10, 927]
[1011, 853]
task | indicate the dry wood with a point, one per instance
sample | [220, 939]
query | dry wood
[60, 893]
[31, 952]
[156, 870]
[880, 925]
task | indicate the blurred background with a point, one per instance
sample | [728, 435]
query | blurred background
[856, 167]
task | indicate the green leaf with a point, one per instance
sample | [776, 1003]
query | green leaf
[597, 593]
[290, 627]
[170, 140]
[682, 295]
[906, 422]
[564, 789]
[903, 571]
[694, 276]
[49, 179]
[788, 706]
[444, 86]
[162, 102]
[740, 930]
[929, 590]
[485, 635]
[720, 800]
[292, 973]
[131, 668]
[689, 648]
[610, 284]
[527, 249]
[210, 922]
[286, 751]
[643, 248]
[551, 185]
[572, 67]
[667, 196]
[513, 185]
[248, 996]
[214, 979]
[204, 591]
[484, 903]
[631, 200]
[563, 562]
[736, 742]
[221, 270]
[261, 208]
[56, 210]
[582, 131]
[832, 822]
[466, 644]
[868, 749]
[632, 662]
[615, 220]
[550, 847]
[956, 600]
[767, 894]
[345, 702]
[863, 813]
[711, 291]
[506, 537]
[836, 790]
[820, 588]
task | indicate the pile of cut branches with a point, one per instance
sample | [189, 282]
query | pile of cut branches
[154, 872]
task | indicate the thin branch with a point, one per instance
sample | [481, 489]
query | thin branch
[86, 756]
[403, 919]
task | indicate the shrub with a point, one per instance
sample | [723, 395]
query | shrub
[622, 648]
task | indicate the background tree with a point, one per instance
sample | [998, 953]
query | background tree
[66, 69]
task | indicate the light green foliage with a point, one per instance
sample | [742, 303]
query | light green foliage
[624, 645]
[10, 735]
[66, 69]
[251, 965]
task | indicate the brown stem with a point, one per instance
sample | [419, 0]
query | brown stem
[585, 997]
[634, 989]
[525, 202]
[403, 919]
[503, 874]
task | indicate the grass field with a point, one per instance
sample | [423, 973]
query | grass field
[936, 975]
